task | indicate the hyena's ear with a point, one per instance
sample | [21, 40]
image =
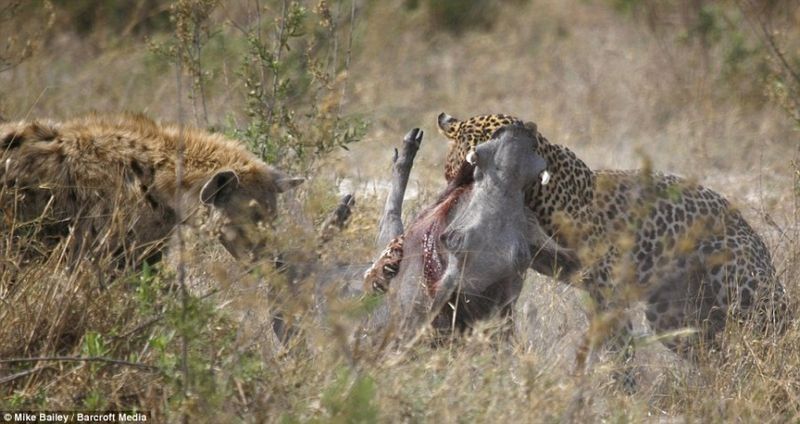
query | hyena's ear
[285, 183]
[447, 125]
[219, 187]
[31, 132]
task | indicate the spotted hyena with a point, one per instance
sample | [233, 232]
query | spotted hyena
[107, 185]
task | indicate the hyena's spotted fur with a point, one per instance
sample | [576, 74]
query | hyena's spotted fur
[108, 185]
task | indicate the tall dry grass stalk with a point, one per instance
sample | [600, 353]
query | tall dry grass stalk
[594, 79]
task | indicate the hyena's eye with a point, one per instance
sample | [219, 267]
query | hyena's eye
[256, 216]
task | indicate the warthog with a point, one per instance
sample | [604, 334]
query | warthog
[465, 257]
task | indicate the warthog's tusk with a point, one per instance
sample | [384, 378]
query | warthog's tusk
[545, 176]
[472, 157]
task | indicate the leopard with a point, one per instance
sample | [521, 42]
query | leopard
[640, 236]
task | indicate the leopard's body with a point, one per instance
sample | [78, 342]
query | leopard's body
[641, 236]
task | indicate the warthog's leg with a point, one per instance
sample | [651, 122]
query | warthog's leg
[390, 231]
[447, 285]
[550, 258]
[337, 219]
[391, 224]
[390, 228]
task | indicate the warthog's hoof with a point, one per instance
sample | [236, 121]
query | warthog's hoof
[414, 136]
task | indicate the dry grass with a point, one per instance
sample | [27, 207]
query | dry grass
[593, 79]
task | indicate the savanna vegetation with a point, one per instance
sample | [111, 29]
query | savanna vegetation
[708, 89]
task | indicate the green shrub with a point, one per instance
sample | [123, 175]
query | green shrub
[18, 42]
[457, 16]
[293, 73]
[295, 76]
[123, 17]
[460, 15]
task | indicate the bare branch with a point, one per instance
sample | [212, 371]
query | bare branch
[21, 374]
[768, 38]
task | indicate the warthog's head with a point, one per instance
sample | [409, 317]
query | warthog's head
[488, 239]
[465, 135]
[477, 241]
[243, 206]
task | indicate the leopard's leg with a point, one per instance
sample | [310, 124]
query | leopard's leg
[622, 346]
[386, 267]
[613, 326]
[512, 290]
[681, 297]
[607, 323]
[610, 327]
[703, 292]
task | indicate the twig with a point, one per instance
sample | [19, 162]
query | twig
[80, 359]
[279, 44]
[347, 56]
[141, 327]
[181, 272]
[160, 317]
[198, 67]
[12, 377]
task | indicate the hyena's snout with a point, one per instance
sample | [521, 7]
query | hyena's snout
[245, 242]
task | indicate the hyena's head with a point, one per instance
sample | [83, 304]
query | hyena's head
[243, 206]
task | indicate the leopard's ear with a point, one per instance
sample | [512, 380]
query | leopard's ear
[531, 126]
[448, 125]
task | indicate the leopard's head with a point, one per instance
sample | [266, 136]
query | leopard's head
[465, 135]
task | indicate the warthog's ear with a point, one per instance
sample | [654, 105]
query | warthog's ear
[516, 129]
[285, 184]
[482, 154]
[219, 187]
[447, 124]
